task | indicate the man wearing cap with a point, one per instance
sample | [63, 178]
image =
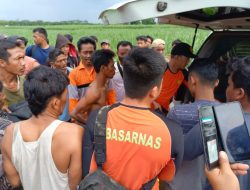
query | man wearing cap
[158, 45]
[105, 44]
[173, 77]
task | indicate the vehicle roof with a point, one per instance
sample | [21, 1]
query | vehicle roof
[208, 14]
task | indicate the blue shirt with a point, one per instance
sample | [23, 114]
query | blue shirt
[36, 52]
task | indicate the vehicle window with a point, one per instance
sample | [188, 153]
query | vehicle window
[234, 47]
[241, 49]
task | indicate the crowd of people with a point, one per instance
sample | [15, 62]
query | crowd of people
[50, 97]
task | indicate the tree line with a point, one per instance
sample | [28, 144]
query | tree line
[70, 22]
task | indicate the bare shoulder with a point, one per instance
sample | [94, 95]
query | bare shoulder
[93, 92]
[71, 129]
[9, 130]
[7, 139]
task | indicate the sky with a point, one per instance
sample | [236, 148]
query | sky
[54, 10]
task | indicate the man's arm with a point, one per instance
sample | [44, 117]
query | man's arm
[84, 105]
[75, 166]
[9, 169]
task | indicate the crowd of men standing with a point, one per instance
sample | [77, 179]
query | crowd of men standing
[55, 94]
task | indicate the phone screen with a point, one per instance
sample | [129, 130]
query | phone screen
[212, 151]
[233, 131]
[209, 135]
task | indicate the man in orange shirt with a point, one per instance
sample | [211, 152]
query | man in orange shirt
[173, 76]
[138, 141]
[96, 95]
[81, 77]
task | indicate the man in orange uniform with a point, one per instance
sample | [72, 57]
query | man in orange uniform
[173, 76]
[139, 145]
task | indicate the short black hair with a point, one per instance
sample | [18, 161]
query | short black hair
[41, 31]
[124, 43]
[42, 84]
[85, 40]
[239, 68]
[101, 57]
[142, 38]
[53, 55]
[150, 37]
[143, 69]
[206, 70]
[69, 37]
[94, 38]
[5, 45]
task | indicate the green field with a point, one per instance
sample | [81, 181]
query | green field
[114, 33]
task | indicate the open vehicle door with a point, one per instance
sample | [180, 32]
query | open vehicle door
[216, 14]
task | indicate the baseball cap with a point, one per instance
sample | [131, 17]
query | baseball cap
[157, 42]
[183, 49]
[105, 42]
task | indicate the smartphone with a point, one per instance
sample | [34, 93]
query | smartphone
[209, 136]
[234, 132]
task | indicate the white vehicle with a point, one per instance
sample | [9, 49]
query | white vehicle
[228, 21]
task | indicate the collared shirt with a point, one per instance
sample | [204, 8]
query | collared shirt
[80, 79]
[116, 83]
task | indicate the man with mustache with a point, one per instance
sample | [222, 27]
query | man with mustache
[12, 66]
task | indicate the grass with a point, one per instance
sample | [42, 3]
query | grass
[114, 33]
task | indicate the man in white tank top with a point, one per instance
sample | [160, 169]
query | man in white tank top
[42, 152]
